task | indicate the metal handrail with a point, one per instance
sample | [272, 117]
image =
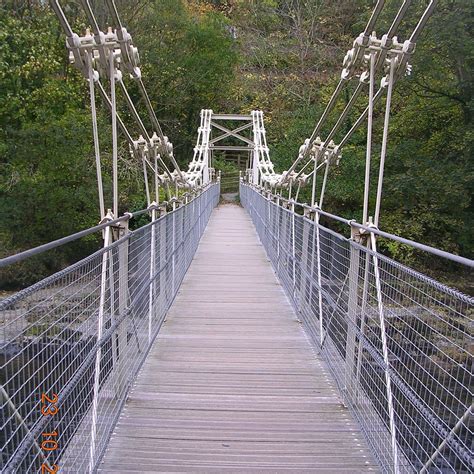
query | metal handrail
[396, 341]
[83, 334]
[20, 256]
[369, 229]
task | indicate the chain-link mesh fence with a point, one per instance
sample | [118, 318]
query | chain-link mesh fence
[399, 344]
[73, 343]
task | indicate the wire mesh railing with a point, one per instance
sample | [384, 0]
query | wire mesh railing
[72, 344]
[398, 343]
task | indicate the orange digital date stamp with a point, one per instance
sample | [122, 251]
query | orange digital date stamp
[49, 440]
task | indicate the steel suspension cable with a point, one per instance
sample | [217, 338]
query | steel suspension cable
[62, 17]
[421, 24]
[373, 18]
[120, 122]
[116, 19]
[319, 125]
[154, 120]
[114, 12]
[369, 138]
[95, 133]
[370, 24]
[361, 118]
[147, 188]
[327, 110]
[323, 187]
[398, 18]
[90, 16]
[133, 111]
[345, 112]
[114, 135]
[312, 172]
[156, 124]
[384, 142]
[140, 124]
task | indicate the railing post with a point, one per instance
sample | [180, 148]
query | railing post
[266, 204]
[152, 284]
[173, 249]
[293, 247]
[352, 308]
[311, 270]
[113, 302]
[318, 271]
[274, 211]
[123, 308]
[163, 287]
[100, 328]
[304, 258]
[199, 212]
[363, 315]
[278, 234]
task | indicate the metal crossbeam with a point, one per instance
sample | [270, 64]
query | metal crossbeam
[234, 133]
[230, 148]
[231, 117]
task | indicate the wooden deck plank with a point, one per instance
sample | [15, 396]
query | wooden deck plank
[232, 383]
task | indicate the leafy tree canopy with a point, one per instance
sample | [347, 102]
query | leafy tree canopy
[281, 56]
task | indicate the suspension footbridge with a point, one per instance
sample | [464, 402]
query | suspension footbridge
[269, 336]
[232, 381]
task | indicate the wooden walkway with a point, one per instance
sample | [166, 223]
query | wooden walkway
[231, 383]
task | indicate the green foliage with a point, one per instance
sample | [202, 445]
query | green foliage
[46, 187]
[229, 175]
[429, 174]
[188, 59]
[48, 178]
[220, 164]
[284, 60]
